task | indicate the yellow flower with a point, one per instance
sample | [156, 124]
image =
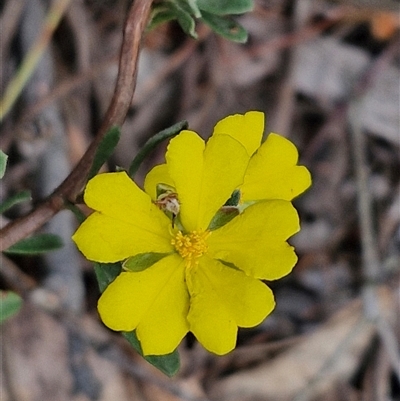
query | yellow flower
[272, 172]
[209, 281]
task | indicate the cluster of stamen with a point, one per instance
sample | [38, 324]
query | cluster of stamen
[191, 246]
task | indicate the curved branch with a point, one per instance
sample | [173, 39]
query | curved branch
[126, 81]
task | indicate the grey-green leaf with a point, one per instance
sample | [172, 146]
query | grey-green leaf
[194, 8]
[22, 196]
[3, 163]
[168, 364]
[105, 150]
[10, 304]
[226, 27]
[152, 142]
[37, 244]
[159, 15]
[184, 18]
[142, 261]
[106, 273]
[225, 7]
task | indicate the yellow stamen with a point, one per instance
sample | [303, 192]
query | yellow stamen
[191, 246]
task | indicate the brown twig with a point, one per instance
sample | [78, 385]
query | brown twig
[134, 27]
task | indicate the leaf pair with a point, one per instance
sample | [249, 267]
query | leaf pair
[215, 13]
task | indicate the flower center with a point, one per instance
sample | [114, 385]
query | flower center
[191, 246]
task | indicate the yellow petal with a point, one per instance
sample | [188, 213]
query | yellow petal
[204, 175]
[117, 196]
[221, 299]
[154, 301]
[157, 175]
[127, 222]
[105, 239]
[246, 128]
[273, 172]
[255, 241]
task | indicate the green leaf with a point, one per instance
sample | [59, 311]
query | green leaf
[105, 150]
[153, 142]
[142, 261]
[181, 10]
[225, 7]
[226, 27]
[37, 244]
[22, 196]
[10, 304]
[193, 7]
[168, 364]
[3, 163]
[184, 18]
[79, 215]
[106, 273]
[160, 14]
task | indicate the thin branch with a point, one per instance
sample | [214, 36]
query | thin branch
[134, 28]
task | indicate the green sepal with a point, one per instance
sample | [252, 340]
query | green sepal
[169, 364]
[106, 273]
[225, 7]
[234, 199]
[225, 26]
[35, 245]
[19, 197]
[105, 150]
[10, 304]
[162, 189]
[223, 216]
[142, 261]
[3, 163]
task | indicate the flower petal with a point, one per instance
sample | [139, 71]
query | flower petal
[246, 128]
[105, 239]
[157, 175]
[221, 299]
[126, 221]
[116, 195]
[155, 302]
[204, 175]
[273, 172]
[255, 241]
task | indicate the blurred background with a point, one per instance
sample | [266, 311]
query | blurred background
[327, 75]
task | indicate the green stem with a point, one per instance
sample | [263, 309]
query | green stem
[153, 142]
